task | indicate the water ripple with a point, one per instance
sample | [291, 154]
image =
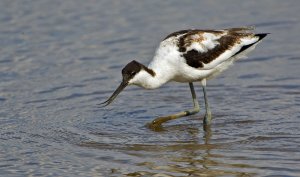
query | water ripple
[58, 61]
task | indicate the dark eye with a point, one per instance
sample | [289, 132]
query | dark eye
[133, 73]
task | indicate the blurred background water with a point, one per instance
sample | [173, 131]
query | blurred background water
[59, 59]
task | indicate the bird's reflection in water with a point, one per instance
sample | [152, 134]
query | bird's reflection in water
[194, 157]
[173, 150]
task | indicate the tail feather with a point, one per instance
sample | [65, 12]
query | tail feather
[260, 37]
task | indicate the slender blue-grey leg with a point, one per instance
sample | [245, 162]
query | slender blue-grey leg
[207, 118]
[158, 121]
[195, 101]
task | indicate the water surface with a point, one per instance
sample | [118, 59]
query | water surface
[59, 59]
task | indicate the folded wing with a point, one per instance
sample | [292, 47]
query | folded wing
[206, 49]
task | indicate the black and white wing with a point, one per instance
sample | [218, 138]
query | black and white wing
[206, 49]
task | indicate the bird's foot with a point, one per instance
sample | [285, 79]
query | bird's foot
[155, 126]
[157, 123]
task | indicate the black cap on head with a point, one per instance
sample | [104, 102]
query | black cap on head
[130, 70]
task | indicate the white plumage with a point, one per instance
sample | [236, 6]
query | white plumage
[177, 70]
[190, 56]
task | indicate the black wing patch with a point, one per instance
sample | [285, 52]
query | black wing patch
[178, 33]
[196, 59]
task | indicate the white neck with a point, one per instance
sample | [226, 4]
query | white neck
[148, 81]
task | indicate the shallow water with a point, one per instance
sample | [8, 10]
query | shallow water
[59, 59]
